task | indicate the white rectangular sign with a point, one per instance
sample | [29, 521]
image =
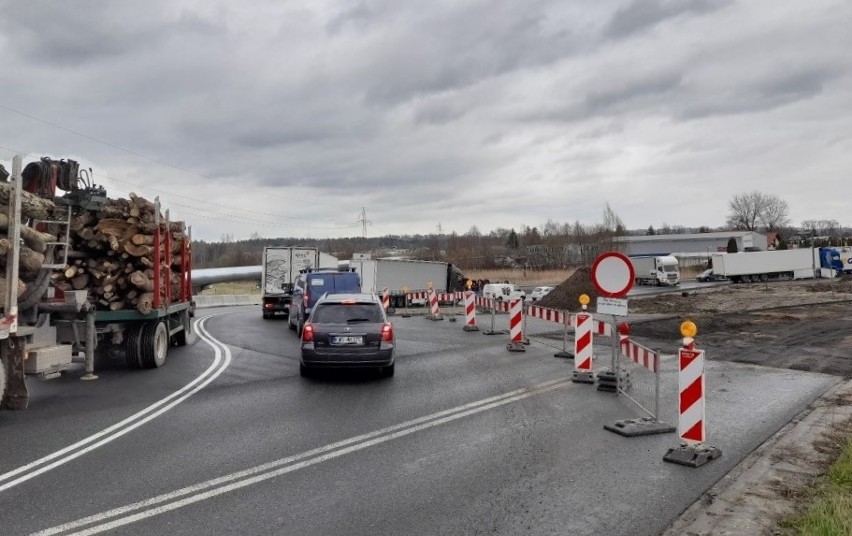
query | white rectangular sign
[612, 306]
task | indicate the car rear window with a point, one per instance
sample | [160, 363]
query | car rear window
[341, 313]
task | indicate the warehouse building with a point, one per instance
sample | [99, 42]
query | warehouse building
[693, 245]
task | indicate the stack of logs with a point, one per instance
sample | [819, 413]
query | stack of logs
[111, 251]
[34, 246]
[112, 256]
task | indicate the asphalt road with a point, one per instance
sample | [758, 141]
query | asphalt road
[467, 438]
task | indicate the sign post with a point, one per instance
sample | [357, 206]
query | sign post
[613, 277]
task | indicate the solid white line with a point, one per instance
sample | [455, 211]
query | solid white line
[282, 466]
[119, 429]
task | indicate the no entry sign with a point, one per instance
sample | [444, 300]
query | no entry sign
[613, 275]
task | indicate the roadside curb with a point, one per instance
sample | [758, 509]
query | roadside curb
[765, 486]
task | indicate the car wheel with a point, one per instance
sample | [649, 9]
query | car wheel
[290, 323]
[387, 372]
[304, 371]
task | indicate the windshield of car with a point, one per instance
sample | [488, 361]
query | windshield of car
[341, 313]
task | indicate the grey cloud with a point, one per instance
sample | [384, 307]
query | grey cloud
[772, 91]
[642, 14]
[80, 32]
[356, 16]
[461, 48]
[647, 86]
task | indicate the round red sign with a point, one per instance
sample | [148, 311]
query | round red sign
[613, 274]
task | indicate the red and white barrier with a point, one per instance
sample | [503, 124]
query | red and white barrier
[385, 299]
[435, 311]
[516, 332]
[639, 354]
[470, 312]
[690, 408]
[693, 451]
[583, 349]
[544, 313]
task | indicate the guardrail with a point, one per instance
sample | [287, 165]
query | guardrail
[225, 300]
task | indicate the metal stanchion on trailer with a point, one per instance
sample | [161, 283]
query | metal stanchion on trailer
[91, 341]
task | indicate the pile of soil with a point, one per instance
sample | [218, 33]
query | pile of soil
[567, 293]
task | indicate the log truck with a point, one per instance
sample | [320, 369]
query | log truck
[130, 300]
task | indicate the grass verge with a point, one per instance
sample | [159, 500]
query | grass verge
[830, 512]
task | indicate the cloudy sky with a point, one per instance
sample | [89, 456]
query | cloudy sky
[286, 118]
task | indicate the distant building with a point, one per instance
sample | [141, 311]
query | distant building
[693, 244]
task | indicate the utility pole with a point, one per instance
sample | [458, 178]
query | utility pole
[362, 219]
[440, 229]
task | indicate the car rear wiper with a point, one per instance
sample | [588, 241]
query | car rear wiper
[355, 320]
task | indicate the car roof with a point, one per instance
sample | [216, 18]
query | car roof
[356, 297]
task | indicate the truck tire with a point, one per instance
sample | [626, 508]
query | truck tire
[131, 347]
[182, 337]
[153, 344]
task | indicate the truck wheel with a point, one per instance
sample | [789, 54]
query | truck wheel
[154, 344]
[181, 337]
[131, 347]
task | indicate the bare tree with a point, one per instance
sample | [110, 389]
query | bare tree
[611, 221]
[775, 214]
[746, 210]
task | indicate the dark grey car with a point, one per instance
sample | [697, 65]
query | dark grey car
[348, 331]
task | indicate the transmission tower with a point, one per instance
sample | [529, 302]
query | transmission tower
[440, 229]
[362, 219]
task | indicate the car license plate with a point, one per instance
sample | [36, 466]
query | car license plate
[348, 339]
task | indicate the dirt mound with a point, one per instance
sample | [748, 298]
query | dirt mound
[566, 294]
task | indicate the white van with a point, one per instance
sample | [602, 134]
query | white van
[503, 292]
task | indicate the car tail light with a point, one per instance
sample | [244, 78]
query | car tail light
[387, 332]
[307, 333]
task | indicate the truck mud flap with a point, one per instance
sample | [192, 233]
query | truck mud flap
[15, 395]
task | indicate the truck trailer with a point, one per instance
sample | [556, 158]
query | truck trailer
[754, 266]
[113, 278]
[280, 266]
[656, 270]
[400, 276]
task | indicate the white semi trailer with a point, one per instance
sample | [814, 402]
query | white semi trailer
[401, 276]
[753, 266]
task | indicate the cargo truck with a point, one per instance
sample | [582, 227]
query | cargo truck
[656, 270]
[107, 285]
[754, 266]
[280, 267]
[402, 276]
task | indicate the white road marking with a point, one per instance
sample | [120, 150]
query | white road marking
[235, 481]
[71, 452]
